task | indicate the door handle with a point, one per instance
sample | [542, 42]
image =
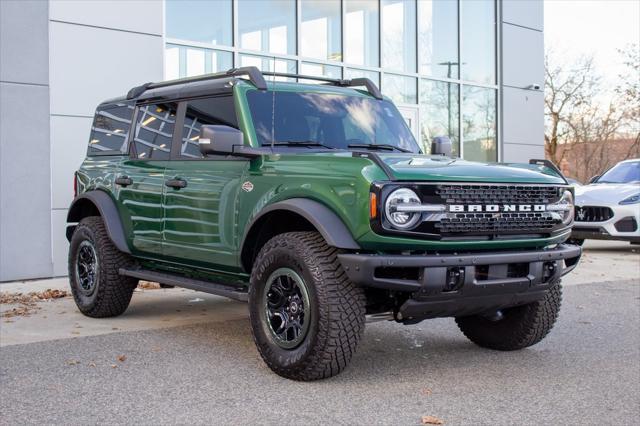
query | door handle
[176, 183]
[124, 181]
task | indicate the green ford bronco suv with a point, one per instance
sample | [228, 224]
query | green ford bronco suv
[314, 203]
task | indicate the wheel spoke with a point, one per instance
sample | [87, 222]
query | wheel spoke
[286, 301]
[86, 266]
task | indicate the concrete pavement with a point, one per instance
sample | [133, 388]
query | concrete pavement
[189, 358]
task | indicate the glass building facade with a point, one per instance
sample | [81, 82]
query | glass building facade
[435, 58]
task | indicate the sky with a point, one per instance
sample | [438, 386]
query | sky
[593, 27]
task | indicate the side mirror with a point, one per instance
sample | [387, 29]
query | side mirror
[218, 139]
[594, 179]
[441, 145]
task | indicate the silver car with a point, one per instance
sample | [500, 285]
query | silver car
[608, 208]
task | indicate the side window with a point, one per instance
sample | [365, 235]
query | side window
[110, 129]
[154, 130]
[216, 110]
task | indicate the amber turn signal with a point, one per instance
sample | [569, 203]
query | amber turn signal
[373, 205]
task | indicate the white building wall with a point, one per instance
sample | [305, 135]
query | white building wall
[98, 50]
[25, 190]
[522, 61]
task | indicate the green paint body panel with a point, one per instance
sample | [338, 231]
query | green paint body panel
[199, 230]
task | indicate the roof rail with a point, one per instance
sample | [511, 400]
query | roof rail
[257, 79]
[254, 74]
[362, 81]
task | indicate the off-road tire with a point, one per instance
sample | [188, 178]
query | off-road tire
[522, 326]
[337, 307]
[113, 291]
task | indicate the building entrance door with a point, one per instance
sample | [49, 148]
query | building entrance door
[410, 115]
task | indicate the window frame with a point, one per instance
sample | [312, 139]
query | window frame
[176, 142]
[133, 154]
[111, 152]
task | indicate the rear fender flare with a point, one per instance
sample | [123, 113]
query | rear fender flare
[105, 205]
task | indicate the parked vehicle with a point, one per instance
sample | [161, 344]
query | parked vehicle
[573, 182]
[608, 208]
[315, 204]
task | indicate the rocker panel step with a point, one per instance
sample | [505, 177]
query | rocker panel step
[190, 283]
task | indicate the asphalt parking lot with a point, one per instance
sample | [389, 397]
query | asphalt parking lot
[181, 357]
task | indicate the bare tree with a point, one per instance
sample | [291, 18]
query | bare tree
[584, 133]
[567, 90]
[628, 90]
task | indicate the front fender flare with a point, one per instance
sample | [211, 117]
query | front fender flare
[108, 211]
[330, 226]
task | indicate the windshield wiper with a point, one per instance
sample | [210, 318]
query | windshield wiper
[302, 143]
[383, 146]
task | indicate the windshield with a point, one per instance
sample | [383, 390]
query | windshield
[622, 173]
[329, 120]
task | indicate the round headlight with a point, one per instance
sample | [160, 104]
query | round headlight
[402, 219]
[567, 201]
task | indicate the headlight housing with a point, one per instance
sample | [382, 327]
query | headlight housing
[634, 199]
[402, 219]
[564, 207]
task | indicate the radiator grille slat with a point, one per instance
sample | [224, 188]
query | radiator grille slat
[488, 194]
[499, 222]
[593, 214]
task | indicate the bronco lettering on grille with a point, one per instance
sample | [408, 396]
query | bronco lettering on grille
[494, 208]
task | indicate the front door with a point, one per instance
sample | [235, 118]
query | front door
[140, 178]
[201, 210]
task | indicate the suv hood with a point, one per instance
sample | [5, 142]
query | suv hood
[416, 167]
[604, 193]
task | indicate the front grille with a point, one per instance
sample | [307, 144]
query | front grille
[593, 214]
[470, 223]
[497, 194]
[505, 217]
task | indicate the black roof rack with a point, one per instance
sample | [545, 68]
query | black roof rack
[370, 85]
[257, 79]
[254, 74]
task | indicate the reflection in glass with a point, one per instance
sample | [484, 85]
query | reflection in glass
[478, 37]
[265, 63]
[218, 110]
[479, 123]
[399, 88]
[182, 61]
[336, 121]
[201, 21]
[439, 113]
[171, 62]
[321, 32]
[374, 76]
[267, 26]
[399, 35]
[110, 129]
[438, 38]
[361, 40]
[154, 131]
[319, 70]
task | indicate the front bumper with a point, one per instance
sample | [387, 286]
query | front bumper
[484, 281]
[624, 225]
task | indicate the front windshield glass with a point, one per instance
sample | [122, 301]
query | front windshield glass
[329, 121]
[622, 173]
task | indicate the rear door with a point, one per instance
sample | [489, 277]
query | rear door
[201, 210]
[141, 177]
